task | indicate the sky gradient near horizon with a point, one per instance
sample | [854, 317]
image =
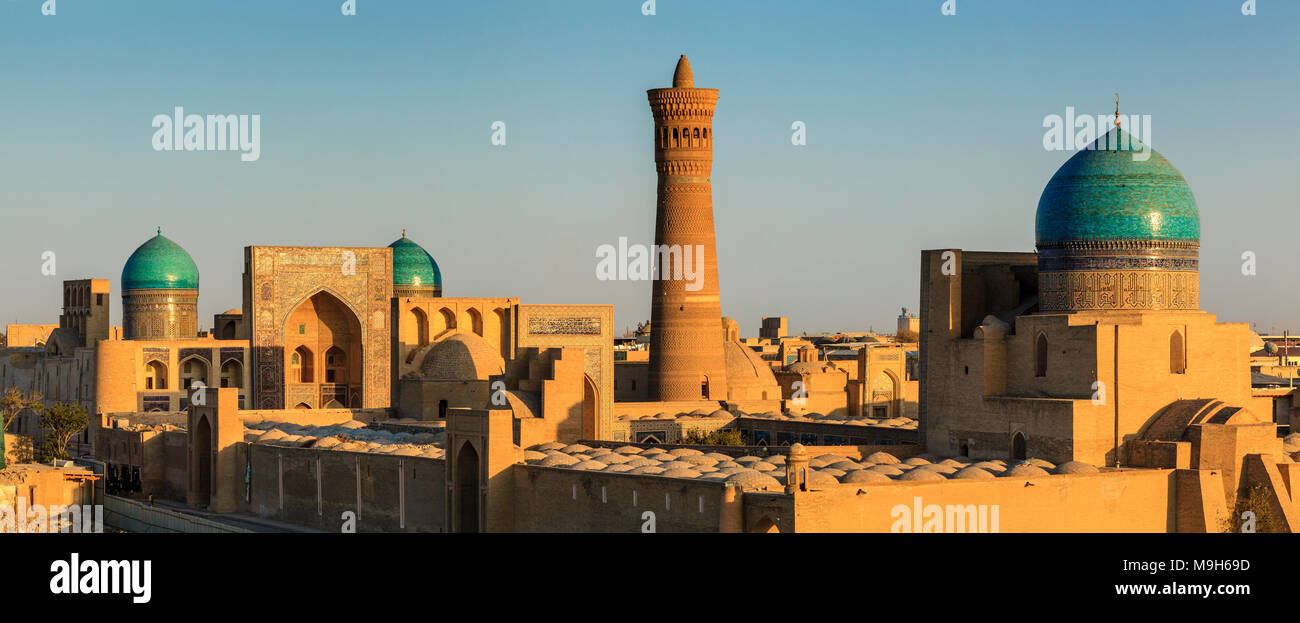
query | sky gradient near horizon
[923, 131]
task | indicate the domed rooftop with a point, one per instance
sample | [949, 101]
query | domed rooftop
[745, 368]
[160, 264]
[1110, 191]
[413, 266]
[462, 356]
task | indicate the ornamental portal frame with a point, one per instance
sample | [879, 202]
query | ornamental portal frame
[338, 299]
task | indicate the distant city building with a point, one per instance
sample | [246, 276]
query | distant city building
[774, 328]
[907, 321]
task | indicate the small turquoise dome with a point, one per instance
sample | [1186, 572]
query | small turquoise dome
[160, 264]
[413, 266]
[1103, 193]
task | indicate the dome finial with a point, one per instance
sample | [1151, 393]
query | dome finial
[403, 232]
[160, 230]
[682, 77]
[1117, 110]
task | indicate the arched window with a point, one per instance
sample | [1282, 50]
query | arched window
[664, 142]
[155, 375]
[302, 361]
[1018, 447]
[696, 141]
[704, 388]
[1177, 354]
[1040, 355]
[336, 365]
[474, 322]
[676, 142]
[194, 370]
[232, 374]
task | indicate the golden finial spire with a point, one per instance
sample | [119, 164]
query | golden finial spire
[403, 232]
[1117, 110]
[160, 230]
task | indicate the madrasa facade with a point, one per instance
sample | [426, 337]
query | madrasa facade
[357, 329]
[1079, 388]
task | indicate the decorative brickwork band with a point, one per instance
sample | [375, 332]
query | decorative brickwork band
[160, 314]
[1118, 290]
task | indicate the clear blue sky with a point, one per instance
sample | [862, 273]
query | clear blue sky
[924, 131]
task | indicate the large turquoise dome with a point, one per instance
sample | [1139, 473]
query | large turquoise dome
[413, 266]
[1117, 229]
[160, 264]
[1103, 193]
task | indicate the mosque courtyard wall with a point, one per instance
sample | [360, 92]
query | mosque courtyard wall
[314, 488]
[555, 499]
[147, 453]
[1142, 500]
[549, 499]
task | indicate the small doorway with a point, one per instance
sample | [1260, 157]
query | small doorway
[467, 487]
[203, 462]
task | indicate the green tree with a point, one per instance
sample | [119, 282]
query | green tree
[907, 336]
[61, 422]
[1256, 501]
[723, 437]
[14, 401]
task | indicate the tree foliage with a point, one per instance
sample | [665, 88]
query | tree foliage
[907, 336]
[1255, 501]
[723, 437]
[61, 422]
[14, 401]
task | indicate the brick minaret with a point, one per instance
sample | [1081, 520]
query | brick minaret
[686, 356]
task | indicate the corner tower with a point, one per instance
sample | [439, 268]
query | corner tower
[160, 292]
[687, 361]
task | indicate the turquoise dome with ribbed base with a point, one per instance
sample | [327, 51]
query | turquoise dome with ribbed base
[413, 266]
[160, 264]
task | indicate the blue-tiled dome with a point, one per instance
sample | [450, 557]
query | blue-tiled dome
[160, 264]
[1103, 193]
[413, 266]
